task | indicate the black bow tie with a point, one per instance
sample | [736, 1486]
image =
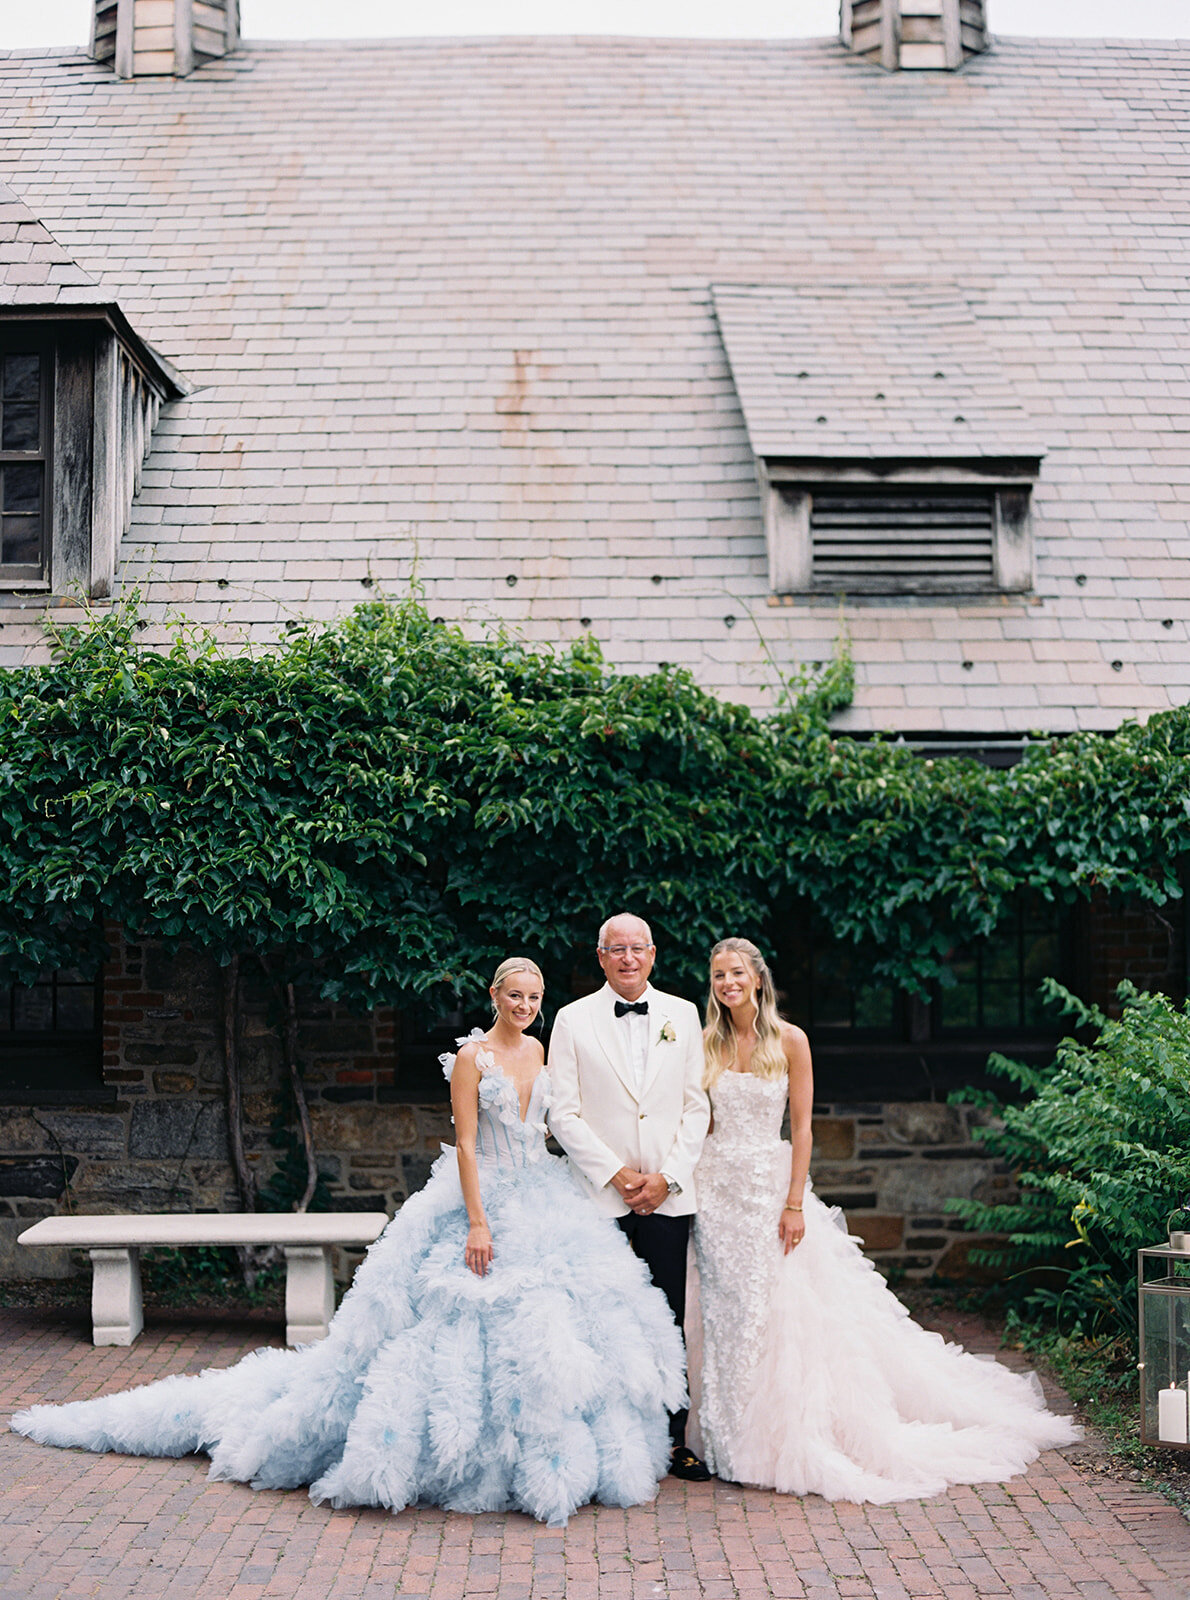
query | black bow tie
[623, 1007]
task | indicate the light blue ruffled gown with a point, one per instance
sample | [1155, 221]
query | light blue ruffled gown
[539, 1387]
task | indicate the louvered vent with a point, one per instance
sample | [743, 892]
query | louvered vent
[908, 34]
[902, 541]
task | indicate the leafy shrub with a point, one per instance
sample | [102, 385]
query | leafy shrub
[384, 807]
[207, 1273]
[1100, 1146]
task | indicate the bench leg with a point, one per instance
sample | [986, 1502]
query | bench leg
[116, 1312]
[309, 1292]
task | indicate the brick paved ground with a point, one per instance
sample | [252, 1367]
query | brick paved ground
[76, 1524]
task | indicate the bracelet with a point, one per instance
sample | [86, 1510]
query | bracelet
[792, 1208]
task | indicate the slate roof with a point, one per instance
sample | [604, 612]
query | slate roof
[447, 306]
[868, 370]
[34, 268]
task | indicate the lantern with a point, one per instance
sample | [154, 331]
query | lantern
[1163, 1290]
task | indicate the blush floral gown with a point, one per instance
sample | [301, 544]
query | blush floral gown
[814, 1378]
[540, 1386]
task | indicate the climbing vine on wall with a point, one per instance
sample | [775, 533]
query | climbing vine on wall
[385, 806]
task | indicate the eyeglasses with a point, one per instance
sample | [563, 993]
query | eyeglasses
[625, 949]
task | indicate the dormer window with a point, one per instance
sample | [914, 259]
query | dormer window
[79, 394]
[891, 455]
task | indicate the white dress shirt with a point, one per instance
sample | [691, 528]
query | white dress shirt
[638, 1042]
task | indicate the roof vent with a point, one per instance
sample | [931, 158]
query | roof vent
[163, 38]
[914, 34]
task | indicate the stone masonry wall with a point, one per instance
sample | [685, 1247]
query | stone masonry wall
[162, 1144]
[892, 1167]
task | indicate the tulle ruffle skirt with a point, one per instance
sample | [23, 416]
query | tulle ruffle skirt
[847, 1396]
[541, 1386]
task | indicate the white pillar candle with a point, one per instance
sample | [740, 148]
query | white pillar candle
[1173, 1421]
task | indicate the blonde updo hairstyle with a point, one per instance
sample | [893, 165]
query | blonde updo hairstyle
[718, 1037]
[515, 964]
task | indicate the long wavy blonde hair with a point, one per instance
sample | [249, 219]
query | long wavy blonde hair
[718, 1037]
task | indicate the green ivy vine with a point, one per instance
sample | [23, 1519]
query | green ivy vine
[385, 806]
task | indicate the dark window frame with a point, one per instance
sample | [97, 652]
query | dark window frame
[53, 1065]
[915, 1055]
[34, 340]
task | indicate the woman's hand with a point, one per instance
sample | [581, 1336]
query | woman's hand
[478, 1253]
[791, 1229]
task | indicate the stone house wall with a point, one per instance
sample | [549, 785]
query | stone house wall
[892, 1167]
[161, 1142]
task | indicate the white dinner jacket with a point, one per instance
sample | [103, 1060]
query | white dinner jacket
[604, 1121]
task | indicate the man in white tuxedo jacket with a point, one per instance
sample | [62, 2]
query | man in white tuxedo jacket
[629, 1109]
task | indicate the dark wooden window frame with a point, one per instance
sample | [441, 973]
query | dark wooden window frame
[915, 1054]
[105, 389]
[34, 341]
[53, 1065]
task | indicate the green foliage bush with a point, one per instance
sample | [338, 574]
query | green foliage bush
[384, 807]
[1100, 1144]
[206, 1274]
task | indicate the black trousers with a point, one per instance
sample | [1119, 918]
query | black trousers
[660, 1242]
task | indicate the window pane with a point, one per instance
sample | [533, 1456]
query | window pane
[832, 1006]
[22, 376]
[76, 1008]
[22, 489]
[21, 428]
[873, 1007]
[959, 1008]
[999, 957]
[20, 541]
[1001, 1005]
[1041, 957]
[33, 1009]
[1037, 1012]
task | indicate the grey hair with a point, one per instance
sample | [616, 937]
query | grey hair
[615, 917]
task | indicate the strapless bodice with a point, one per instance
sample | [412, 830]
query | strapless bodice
[748, 1110]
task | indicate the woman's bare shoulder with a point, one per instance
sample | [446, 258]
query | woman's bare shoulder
[468, 1052]
[795, 1043]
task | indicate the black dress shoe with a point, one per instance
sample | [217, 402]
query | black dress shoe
[684, 1463]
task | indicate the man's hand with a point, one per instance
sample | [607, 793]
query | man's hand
[653, 1190]
[627, 1184]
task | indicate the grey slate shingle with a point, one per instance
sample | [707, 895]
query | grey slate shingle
[34, 268]
[448, 303]
[868, 370]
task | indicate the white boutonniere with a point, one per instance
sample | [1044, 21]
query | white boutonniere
[667, 1034]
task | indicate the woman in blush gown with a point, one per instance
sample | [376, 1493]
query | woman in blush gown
[501, 1347]
[815, 1380]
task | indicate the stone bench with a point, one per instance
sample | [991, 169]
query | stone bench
[115, 1243]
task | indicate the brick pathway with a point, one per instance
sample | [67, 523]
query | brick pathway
[77, 1524]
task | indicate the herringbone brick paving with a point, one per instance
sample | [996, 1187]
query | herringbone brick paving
[76, 1524]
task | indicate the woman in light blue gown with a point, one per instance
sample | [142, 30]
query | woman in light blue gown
[501, 1347]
